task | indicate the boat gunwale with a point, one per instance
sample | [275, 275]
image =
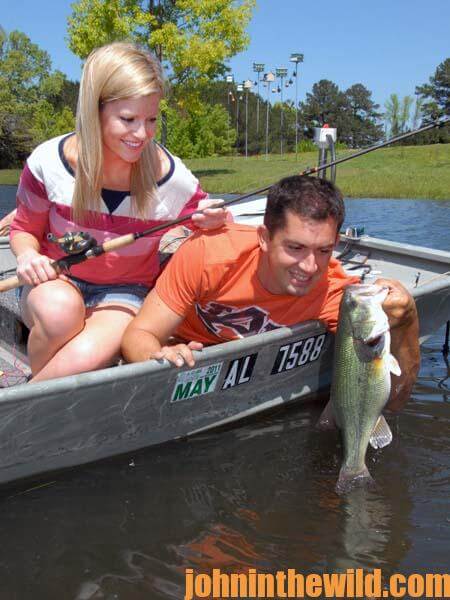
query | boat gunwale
[223, 351]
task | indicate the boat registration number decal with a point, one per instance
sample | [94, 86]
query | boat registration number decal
[297, 354]
[239, 371]
[196, 382]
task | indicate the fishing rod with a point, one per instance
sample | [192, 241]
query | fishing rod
[80, 246]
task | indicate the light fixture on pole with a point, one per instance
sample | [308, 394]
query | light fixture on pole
[247, 86]
[257, 68]
[229, 80]
[281, 73]
[269, 78]
[240, 89]
[296, 58]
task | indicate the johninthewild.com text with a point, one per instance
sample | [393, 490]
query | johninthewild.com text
[353, 583]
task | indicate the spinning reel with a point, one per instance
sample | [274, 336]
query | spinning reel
[75, 244]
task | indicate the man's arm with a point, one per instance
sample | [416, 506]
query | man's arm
[403, 320]
[146, 336]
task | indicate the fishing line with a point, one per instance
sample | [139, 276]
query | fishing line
[126, 240]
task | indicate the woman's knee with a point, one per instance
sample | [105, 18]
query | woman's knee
[56, 308]
[89, 353]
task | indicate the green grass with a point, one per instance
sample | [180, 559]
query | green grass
[9, 176]
[397, 172]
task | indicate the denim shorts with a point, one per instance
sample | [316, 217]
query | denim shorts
[93, 293]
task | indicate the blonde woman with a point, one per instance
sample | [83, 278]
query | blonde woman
[108, 178]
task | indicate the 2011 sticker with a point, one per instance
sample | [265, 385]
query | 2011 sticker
[196, 382]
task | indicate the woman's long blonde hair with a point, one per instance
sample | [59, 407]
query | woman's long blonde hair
[113, 72]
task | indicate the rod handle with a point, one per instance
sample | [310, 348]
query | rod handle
[9, 284]
[120, 242]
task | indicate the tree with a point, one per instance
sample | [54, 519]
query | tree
[436, 93]
[198, 130]
[30, 104]
[325, 104]
[193, 38]
[352, 112]
[397, 115]
[362, 122]
[435, 97]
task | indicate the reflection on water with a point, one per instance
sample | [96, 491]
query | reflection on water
[259, 496]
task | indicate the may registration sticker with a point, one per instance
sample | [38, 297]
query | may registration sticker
[196, 382]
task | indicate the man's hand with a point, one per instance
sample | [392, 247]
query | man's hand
[401, 310]
[399, 304]
[179, 354]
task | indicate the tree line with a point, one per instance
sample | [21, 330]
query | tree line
[202, 115]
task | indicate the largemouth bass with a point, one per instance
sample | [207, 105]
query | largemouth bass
[361, 382]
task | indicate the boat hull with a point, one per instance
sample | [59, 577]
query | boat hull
[83, 418]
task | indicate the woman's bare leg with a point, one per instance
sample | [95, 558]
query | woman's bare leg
[54, 312]
[95, 347]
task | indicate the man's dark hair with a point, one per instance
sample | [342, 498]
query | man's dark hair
[307, 197]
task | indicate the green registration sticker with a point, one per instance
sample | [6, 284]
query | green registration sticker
[196, 382]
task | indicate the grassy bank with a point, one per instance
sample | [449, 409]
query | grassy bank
[397, 172]
[9, 176]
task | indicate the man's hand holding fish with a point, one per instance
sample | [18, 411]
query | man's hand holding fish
[400, 309]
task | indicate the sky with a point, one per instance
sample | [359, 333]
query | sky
[390, 46]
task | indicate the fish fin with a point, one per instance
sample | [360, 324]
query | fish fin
[394, 367]
[381, 434]
[349, 480]
[327, 420]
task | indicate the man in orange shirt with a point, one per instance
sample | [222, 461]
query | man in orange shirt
[241, 280]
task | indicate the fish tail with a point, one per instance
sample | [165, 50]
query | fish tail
[349, 479]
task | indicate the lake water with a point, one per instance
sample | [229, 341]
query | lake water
[260, 495]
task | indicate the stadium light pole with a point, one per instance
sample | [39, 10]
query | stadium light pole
[229, 80]
[239, 89]
[269, 78]
[258, 68]
[247, 86]
[281, 73]
[296, 58]
[230, 98]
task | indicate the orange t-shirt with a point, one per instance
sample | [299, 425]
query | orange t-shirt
[212, 280]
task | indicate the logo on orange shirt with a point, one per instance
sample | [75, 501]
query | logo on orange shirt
[229, 322]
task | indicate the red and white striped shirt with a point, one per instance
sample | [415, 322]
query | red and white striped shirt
[44, 201]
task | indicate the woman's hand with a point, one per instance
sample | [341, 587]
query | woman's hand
[34, 268]
[179, 354]
[212, 218]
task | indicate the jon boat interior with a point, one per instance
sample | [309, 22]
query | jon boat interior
[78, 419]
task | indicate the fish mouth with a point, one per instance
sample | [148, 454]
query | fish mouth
[365, 291]
[377, 334]
[374, 341]
[370, 337]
